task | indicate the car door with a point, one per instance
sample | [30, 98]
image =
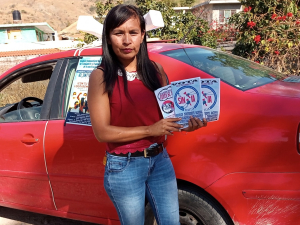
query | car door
[23, 175]
[74, 157]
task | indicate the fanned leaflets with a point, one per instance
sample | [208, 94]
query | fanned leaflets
[191, 97]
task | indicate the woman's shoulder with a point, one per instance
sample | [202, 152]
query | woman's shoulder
[163, 75]
[97, 74]
[158, 66]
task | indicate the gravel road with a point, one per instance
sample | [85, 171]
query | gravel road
[17, 217]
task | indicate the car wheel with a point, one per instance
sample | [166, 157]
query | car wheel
[194, 209]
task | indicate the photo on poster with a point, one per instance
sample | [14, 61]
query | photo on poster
[78, 112]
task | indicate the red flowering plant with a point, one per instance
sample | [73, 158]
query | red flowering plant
[269, 33]
[221, 33]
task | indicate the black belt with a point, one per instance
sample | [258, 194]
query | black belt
[153, 150]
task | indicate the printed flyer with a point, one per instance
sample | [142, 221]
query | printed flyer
[78, 112]
[187, 99]
[210, 90]
[165, 101]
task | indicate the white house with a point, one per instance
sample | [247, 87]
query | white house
[217, 11]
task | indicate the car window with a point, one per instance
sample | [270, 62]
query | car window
[74, 96]
[238, 72]
[22, 97]
[69, 77]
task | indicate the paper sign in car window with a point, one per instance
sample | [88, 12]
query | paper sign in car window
[78, 112]
[210, 94]
[187, 99]
[165, 101]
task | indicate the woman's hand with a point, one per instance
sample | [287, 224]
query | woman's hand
[195, 123]
[164, 127]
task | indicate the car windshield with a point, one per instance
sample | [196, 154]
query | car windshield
[238, 72]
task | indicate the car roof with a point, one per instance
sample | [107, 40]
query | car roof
[90, 51]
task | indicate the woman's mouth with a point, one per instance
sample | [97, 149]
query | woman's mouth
[127, 50]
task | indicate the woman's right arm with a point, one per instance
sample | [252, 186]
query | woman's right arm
[99, 109]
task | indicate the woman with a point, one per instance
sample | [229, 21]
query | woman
[124, 114]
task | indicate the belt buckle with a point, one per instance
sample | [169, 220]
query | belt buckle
[145, 153]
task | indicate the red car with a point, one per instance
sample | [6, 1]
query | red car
[242, 169]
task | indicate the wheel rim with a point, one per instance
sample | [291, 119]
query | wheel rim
[187, 218]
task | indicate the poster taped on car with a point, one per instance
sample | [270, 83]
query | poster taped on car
[78, 112]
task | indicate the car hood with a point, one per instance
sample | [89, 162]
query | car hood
[279, 88]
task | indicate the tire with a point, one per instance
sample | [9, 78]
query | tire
[195, 209]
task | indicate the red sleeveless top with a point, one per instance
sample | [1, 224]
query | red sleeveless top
[141, 110]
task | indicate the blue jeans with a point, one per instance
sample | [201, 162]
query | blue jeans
[129, 180]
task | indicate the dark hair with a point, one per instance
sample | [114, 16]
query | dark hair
[146, 69]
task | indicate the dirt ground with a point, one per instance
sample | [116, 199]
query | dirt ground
[3, 68]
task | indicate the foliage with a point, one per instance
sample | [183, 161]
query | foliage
[101, 9]
[178, 25]
[269, 33]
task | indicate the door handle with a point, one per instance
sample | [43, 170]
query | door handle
[29, 140]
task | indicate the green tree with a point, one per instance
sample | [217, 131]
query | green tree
[178, 25]
[101, 9]
[269, 33]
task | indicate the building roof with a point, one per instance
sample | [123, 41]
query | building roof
[210, 2]
[30, 52]
[45, 27]
[181, 8]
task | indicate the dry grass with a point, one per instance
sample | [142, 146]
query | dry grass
[58, 14]
[18, 90]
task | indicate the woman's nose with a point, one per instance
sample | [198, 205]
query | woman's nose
[127, 39]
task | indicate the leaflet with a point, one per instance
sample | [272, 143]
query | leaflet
[165, 101]
[187, 99]
[78, 112]
[210, 90]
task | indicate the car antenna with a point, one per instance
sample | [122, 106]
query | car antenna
[192, 26]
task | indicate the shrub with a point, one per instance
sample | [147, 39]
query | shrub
[269, 33]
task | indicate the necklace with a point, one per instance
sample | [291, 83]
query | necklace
[130, 75]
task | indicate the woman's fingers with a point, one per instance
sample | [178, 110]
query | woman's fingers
[165, 127]
[195, 123]
[204, 122]
[172, 119]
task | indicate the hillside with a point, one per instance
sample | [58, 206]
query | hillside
[57, 13]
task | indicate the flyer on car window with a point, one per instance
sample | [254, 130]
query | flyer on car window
[165, 101]
[78, 112]
[187, 99]
[210, 90]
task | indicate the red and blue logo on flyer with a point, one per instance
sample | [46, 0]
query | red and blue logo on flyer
[210, 98]
[187, 98]
[167, 107]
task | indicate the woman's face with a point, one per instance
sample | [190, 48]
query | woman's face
[126, 39]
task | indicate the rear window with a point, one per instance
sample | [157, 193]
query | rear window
[238, 72]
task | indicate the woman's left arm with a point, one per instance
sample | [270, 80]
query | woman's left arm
[194, 122]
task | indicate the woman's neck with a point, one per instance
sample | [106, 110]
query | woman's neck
[129, 65]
